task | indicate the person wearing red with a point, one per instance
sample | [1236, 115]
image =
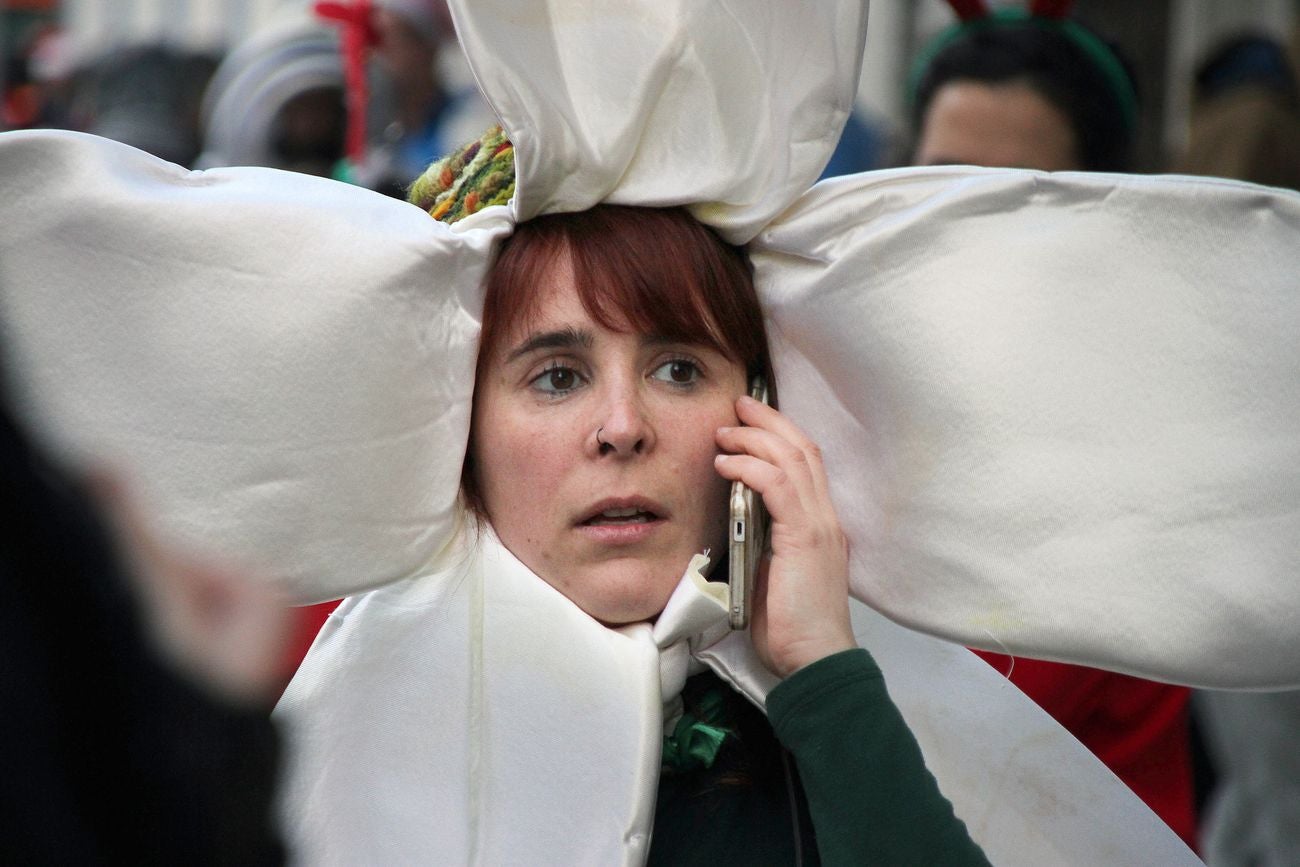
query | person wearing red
[1016, 90]
[1138, 728]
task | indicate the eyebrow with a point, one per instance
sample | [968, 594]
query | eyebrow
[561, 338]
[569, 337]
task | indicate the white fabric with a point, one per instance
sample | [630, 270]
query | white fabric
[732, 106]
[1028, 791]
[519, 747]
[458, 737]
[1063, 410]
[258, 352]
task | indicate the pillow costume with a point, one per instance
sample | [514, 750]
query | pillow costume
[1062, 414]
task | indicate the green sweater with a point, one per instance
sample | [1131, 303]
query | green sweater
[856, 792]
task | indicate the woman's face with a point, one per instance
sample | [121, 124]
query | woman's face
[999, 125]
[611, 526]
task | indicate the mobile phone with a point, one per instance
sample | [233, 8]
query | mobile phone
[748, 534]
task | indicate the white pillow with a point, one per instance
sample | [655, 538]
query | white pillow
[282, 364]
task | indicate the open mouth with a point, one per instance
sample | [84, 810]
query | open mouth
[619, 517]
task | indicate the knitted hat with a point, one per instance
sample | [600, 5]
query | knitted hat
[480, 174]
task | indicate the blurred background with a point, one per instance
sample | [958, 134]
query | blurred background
[209, 83]
[1165, 41]
[220, 82]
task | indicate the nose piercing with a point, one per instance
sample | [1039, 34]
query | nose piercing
[598, 439]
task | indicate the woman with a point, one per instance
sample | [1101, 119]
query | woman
[1023, 90]
[610, 417]
[311, 408]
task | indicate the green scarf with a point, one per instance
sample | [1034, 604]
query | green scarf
[697, 737]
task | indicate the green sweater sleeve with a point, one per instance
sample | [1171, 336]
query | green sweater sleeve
[871, 798]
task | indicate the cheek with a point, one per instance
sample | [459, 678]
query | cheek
[522, 457]
[712, 491]
[514, 459]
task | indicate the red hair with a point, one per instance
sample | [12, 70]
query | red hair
[650, 270]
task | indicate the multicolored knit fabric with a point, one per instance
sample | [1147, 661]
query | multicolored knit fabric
[480, 174]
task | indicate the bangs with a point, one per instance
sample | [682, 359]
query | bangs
[653, 271]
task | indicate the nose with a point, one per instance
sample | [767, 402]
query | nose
[623, 427]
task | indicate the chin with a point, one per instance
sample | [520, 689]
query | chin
[631, 596]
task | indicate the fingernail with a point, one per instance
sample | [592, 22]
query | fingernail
[725, 430]
[719, 459]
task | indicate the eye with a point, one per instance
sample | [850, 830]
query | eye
[557, 380]
[679, 371]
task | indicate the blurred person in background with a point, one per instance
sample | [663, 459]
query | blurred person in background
[37, 77]
[1252, 815]
[1245, 125]
[432, 112]
[1017, 90]
[1245, 120]
[1023, 91]
[136, 682]
[276, 100]
[283, 97]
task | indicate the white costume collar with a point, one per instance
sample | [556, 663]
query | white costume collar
[475, 715]
[494, 721]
